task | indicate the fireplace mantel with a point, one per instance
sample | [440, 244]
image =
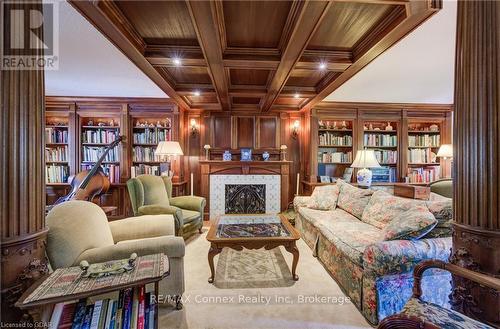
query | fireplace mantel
[219, 167]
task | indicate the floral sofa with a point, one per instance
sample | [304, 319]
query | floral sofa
[354, 233]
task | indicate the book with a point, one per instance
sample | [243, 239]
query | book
[79, 314]
[109, 314]
[127, 308]
[135, 309]
[67, 316]
[113, 306]
[88, 317]
[140, 312]
[96, 315]
[147, 299]
[56, 315]
[119, 310]
[152, 313]
[104, 311]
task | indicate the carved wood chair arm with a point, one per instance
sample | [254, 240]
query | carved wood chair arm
[482, 279]
[399, 321]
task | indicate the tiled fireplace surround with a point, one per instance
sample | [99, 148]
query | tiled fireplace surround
[218, 190]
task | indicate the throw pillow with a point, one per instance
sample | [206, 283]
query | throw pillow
[324, 197]
[383, 207]
[353, 199]
[443, 212]
[410, 225]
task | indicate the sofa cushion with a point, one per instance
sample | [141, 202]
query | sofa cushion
[353, 199]
[383, 207]
[189, 215]
[316, 217]
[443, 212]
[324, 197]
[411, 224]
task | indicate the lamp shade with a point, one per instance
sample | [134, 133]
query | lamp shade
[365, 159]
[445, 151]
[168, 148]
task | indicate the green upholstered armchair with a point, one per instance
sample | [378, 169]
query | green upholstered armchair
[152, 195]
[443, 187]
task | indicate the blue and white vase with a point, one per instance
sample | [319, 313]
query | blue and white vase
[227, 156]
[265, 156]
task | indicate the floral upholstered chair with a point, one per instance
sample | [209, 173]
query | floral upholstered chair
[421, 314]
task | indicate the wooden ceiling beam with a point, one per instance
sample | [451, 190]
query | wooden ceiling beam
[206, 22]
[417, 12]
[111, 22]
[308, 17]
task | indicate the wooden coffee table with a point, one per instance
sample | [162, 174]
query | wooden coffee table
[252, 232]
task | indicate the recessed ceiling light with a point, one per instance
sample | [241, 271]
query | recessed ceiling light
[177, 61]
[296, 95]
[197, 93]
[322, 66]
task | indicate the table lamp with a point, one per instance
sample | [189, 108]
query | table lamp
[365, 159]
[165, 151]
[445, 151]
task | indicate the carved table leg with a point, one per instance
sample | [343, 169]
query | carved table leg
[292, 248]
[211, 254]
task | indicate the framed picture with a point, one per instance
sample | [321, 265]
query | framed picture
[324, 179]
[246, 154]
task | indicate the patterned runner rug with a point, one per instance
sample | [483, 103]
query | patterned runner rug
[252, 269]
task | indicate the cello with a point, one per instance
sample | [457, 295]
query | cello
[88, 184]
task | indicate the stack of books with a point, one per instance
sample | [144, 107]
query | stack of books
[133, 309]
[148, 136]
[421, 156]
[386, 157]
[99, 136]
[423, 174]
[424, 140]
[330, 139]
[143, 169]
[335, 157]
[56, 154]
[56, 135]
[56, 174]
[143, 154]
[380, 140]
[110, 170]
[92, 154]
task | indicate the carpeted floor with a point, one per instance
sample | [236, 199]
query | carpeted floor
[287, 306]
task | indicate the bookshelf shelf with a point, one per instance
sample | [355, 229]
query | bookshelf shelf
[382, 138]
[100, 127]
[423, 144]
[57, 153]
[423, 132]
[335, 130]
[335, 146]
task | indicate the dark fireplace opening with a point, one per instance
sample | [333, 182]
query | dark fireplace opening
[245, 199]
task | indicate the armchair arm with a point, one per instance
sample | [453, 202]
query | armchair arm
[300, 201]
[483, 280]
[172, 246]
[165, 210]
[194, 203]
[401, 256]
[142, 227]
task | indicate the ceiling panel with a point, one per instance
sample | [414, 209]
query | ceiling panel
[255, 24]
[249, 77]
[346, 23]
[289, 101]
[246, 100]
[306, 78]
[205, 99]
[160, 22]
[188, 75]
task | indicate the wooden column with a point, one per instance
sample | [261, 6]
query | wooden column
[22, 177]
[476, 239]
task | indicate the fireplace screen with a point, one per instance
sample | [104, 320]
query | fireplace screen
[245, 199]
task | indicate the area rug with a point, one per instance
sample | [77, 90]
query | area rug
[252, 269]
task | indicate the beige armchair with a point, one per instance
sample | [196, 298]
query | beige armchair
[79, 230]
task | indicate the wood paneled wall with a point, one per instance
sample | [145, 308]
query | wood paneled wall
[476, 239]
[232, 132]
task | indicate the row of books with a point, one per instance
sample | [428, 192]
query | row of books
[59, 153]
[328, 138]
[423, 174]
[133, 309]
[380, 140]
[56, 174]
[421, 156]
[110, 170]
[424, 140]
[384, 174]
[384, 156]
[92, 154]
[150, 136]
[335, 157]
[56, 135]
[143, 169]
[143, 154]
[99, 136]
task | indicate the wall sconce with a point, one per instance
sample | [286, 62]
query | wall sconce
[295, 128]
[194, 127]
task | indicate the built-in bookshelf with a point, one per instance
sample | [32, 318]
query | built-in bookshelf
[424, 140]
[335, 147]
[57, 169]
[96, 134]
[382, 138]
[147, 133]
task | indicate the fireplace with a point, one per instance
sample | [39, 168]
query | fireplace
[238, 194]
[245, 199]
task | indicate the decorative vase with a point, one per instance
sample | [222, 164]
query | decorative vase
[388, 127]
[265, 156]
[364, 178]
[227, 156]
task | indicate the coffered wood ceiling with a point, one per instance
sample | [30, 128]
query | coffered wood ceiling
[254, 55]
